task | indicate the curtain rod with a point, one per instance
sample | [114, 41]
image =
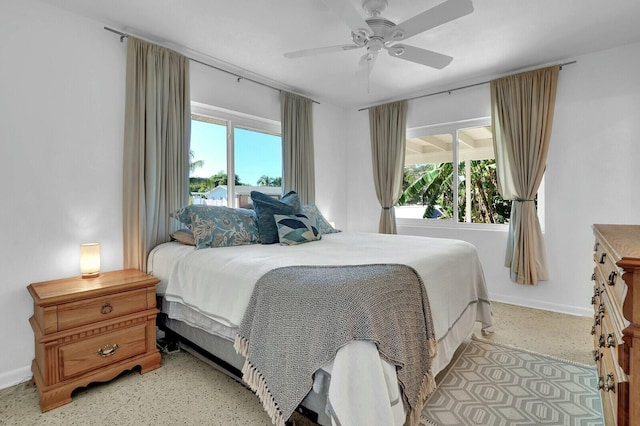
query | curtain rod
[238, 77]
[457, 88]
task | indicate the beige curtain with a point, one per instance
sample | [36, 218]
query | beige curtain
[388, 128]
[156, 147]
[297, 146]
[522, 115]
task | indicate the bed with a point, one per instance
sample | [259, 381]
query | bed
[205, 292]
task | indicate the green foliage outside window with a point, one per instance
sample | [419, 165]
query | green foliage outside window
[431, 186]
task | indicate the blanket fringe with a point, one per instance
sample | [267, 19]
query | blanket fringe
[427, 387]
[256, 382]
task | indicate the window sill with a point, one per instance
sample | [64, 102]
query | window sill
[449, 224]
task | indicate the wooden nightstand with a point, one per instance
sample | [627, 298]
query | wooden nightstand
[91, 330]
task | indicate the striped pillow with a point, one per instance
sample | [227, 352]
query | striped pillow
[296, 229]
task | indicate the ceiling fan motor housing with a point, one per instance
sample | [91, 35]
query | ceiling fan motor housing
[379, 26]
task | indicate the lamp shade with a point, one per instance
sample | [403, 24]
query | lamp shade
[89, 260]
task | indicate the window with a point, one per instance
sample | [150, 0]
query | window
[225, 143]
[433, 189]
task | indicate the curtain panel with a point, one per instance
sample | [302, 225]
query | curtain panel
[522, 107]
[388, 128]
[156, 147]
[297, 146]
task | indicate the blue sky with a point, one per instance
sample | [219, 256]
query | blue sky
[256, 154]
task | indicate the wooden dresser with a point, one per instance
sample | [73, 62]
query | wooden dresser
[616, 328]
[91, 330]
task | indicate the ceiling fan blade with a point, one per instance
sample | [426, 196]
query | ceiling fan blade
[420, 56]
[436, 16]
[319, 50]
[345, 11]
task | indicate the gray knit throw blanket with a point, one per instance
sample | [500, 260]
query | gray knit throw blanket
[298, 317]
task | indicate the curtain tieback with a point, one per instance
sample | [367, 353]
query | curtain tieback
[522, 200]
[387, 208]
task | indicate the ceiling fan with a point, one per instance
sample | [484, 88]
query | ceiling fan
[376, 33]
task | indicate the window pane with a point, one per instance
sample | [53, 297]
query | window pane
[208, 162]
[479, 200]
[428, 178]
[258, 162]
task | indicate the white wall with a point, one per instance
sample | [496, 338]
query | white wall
[592, 175]
[61, 127]
[61, 115]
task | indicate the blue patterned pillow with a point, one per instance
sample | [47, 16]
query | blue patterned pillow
[266, 206]
[323, 225]
[218, 226]
[296, 229]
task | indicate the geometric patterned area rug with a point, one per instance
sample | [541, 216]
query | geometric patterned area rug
[498, 385]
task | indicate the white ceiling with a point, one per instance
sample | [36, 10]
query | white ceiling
[250, 37]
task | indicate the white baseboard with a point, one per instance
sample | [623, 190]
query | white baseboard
[12, 378]
[545, 306]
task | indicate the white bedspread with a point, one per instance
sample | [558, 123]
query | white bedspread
[218, 283]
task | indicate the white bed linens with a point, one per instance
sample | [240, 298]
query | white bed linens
[218, 282]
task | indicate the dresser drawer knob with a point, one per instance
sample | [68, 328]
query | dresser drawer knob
[593, 330]
[596, 319]
[601, 341]
[612, 278]
[597, 355]
[600, 383]
[593, 276]
[610, 385]
[611, 341]
[108, 350]
[106, 308]
[602, 257]
[601, 309]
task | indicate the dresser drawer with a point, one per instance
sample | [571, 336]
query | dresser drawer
[107, 348]
[89, 311]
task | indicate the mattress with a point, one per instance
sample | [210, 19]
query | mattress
[210, 288]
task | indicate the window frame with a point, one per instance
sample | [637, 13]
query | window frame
[234, 120]
[453, 128]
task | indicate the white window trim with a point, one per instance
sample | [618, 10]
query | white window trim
[239, 119]
[452, 127]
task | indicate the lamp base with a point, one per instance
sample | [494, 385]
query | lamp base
[90, 275]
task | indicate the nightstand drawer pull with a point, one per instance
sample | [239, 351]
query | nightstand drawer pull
[108, 350]
[106, 308]
[612, 278]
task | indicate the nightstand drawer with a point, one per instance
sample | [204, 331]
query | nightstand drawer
[89, 311]
[107, 348]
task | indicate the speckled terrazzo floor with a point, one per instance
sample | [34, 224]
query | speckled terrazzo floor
[186, 391]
